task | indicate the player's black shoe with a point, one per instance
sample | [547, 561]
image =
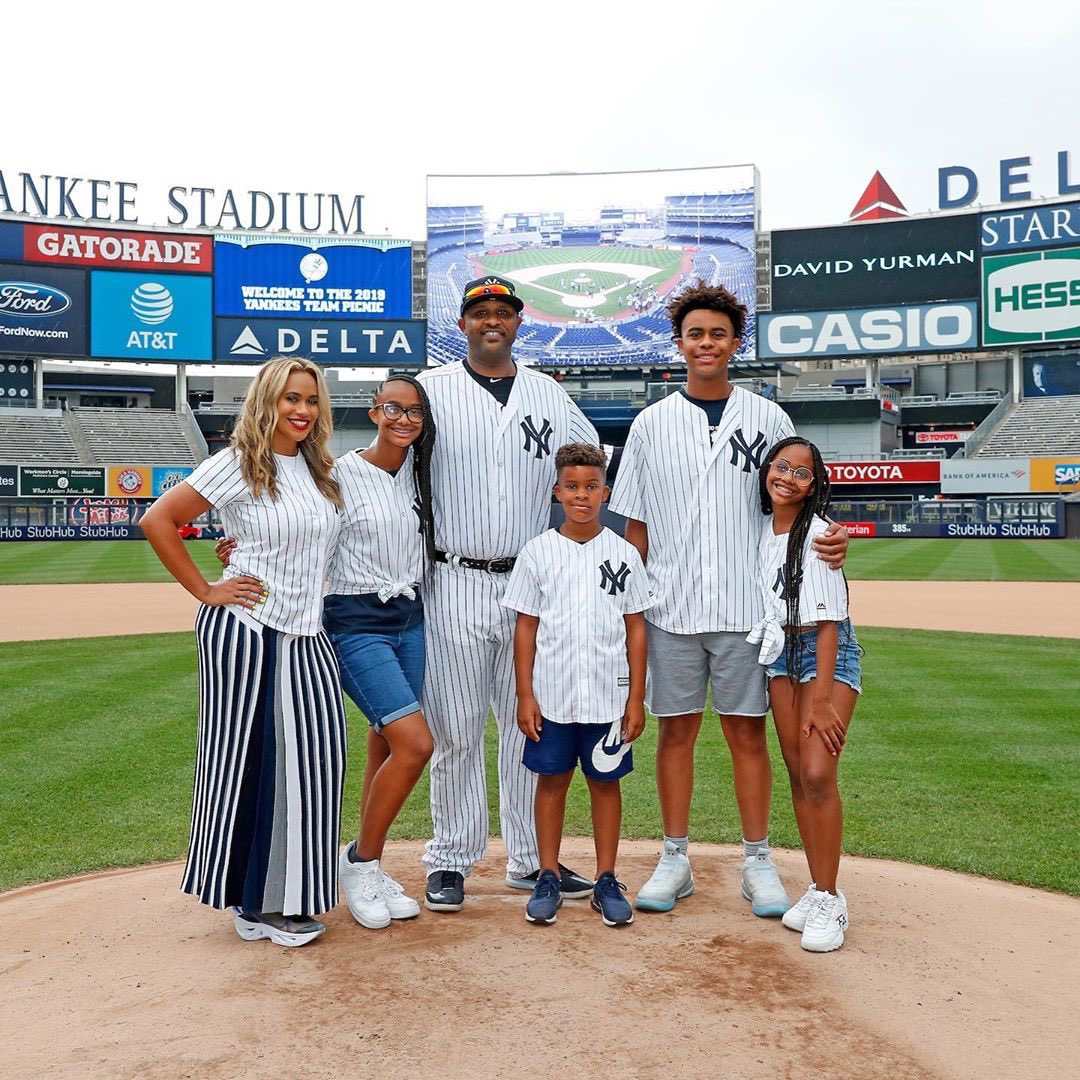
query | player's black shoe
[572, 886]
[445, 891]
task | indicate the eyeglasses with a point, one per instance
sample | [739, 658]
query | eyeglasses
[800, 475]
[393, 411]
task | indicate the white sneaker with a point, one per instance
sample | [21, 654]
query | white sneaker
[398, 904]
[671, 880]
[762, 887]
[795, 917]
[826, 923]
[362, 885]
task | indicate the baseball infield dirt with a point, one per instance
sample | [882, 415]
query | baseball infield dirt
[942, 975]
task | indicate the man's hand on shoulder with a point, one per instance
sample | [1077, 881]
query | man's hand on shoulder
[831, 546]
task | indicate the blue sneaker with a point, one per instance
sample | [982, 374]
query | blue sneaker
[546, 899]
[608, 899]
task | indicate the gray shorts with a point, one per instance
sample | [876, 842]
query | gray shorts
[682, 665]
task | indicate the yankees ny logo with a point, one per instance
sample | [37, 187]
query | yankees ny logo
[613, 580]
[538, 440]
[780, 584]
[419, 514]
[752, 453]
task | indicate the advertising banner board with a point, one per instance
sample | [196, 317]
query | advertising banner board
[940, 437]
[11, 242]
[168, 476]
[1031, 297]
[1034, 227]
[71, 532]
[948, 327]
[297, 281]
[163, 317]
[886, 263]
[73, 246]
[61, 480]
[251, 341]
[987, 476]
[130, 482]
[1056, 474]
[9, 480]
[42, 310]
[884, 472]
[976, 530]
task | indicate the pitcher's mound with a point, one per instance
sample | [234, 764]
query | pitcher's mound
[119, 975]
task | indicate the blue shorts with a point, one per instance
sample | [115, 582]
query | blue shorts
[599, 748]
[848, 668]
[382, 673]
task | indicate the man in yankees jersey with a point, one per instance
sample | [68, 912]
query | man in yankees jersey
[492, 473]
[688, 484]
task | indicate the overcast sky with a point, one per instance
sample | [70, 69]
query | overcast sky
[368, 99]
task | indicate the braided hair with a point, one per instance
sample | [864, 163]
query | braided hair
[422, 450]
[815, 503]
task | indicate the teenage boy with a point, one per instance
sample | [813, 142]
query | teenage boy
[688, 483]
[579, 657]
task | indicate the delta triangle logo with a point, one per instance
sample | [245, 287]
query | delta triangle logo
[878, 202]
[247, 344]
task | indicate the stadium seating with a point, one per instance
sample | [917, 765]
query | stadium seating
[1037, 426]
[145, 436]
[36, 436]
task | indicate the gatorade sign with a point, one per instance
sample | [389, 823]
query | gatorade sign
[1033, 297]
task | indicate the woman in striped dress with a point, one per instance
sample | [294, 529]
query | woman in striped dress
[270, 758]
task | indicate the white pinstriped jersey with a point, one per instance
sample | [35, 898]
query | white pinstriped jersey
[494, 466]
[699, 498]
[286, 543]
[381, 549]
[823, 592]
[580, 592]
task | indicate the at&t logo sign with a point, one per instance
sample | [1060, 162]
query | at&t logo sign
[152, 304]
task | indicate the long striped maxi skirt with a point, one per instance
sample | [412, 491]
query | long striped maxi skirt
[269, 768]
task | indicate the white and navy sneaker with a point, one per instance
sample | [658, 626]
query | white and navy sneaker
[546, 899]
[671, 880]
[761, 885]
[290, 931]
[826, 923]
[608, 899]
[572, 886]
[795, 916]
[445, 891]
[361, 882]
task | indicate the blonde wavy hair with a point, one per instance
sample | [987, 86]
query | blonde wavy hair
[252, 437]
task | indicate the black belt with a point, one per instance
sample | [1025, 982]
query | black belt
[492, 566]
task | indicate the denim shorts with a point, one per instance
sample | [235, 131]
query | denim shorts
[848, 668]
[599, 748]
[382, 673]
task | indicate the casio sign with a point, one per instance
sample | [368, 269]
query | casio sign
[30, 299]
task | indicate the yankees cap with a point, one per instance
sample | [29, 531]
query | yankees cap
[490, 287]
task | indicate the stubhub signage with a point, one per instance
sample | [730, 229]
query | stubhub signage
[150, 316]
[252, 341]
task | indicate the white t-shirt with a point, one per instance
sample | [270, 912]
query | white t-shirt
[580, 592]
[286, 543]
[698, 494]
[823, 593]
[381, 549]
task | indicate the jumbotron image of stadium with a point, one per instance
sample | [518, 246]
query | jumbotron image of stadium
[594, 283]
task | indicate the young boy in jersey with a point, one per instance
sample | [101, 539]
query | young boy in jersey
[579, 657]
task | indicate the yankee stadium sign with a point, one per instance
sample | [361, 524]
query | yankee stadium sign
[81, 198]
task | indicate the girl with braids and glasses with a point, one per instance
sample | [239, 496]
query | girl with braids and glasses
[374, 617]
[812, 663]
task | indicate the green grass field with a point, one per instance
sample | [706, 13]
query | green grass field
[538, 293]
[964, 754]
[67, 562]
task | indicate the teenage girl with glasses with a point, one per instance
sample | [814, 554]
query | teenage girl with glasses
[812, 658]
[374, 617]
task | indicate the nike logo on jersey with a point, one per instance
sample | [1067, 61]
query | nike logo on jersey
[537, 439]
[751, 453]
[614, 581]
[604, 762]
